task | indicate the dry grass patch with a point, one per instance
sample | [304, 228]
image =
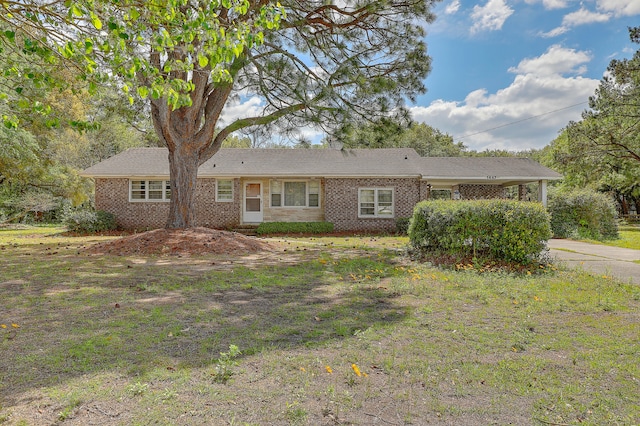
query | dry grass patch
[124, 340]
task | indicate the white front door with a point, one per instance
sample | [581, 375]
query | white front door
[252, 210]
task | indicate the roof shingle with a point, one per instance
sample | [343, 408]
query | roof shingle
[286, 162]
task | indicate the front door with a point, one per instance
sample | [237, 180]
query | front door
[252, 211]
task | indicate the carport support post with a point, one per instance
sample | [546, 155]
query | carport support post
[522, 192]
[542, 192]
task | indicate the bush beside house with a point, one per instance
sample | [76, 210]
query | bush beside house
[266, 228]
[582, 214]
[89, 221]
[486, 230]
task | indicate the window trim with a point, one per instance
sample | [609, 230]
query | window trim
[375, 214]
[282, 195]
[224, 200]
[146, 199]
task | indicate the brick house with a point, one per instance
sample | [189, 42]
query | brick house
[355, 189]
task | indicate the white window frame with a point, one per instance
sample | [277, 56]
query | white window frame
[221, 199]
[282, 195]
[376, 204]
[166, 189]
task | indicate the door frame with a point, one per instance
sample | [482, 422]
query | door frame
[252, 217]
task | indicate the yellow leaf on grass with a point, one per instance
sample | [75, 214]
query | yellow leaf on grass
[356, 370]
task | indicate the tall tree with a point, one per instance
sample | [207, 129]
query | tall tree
[611, 128]
[311, 61]
[398, 132]
[603, 149]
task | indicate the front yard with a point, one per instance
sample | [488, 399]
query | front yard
[629, 238]
[332, 331]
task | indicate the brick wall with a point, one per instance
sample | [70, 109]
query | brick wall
[339, 197]
[482, 192]
[341, 202]
[112, 195]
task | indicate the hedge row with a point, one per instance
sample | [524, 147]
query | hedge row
[294, 228]
[89, 221]
[582, 214]
[488, 230]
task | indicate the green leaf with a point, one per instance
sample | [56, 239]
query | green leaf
[202, 61]
[96, 21]
[143, 92]
[10, 35]
[10, 122]
[134, 14]
[75, 10]
[156, 93]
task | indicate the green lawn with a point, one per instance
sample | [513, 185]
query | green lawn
[333, 331]
[629, 238]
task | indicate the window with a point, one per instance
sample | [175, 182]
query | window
[149, 190]
[224, 190]
[276, 193]
[375, 202]
[295, 193]
[314, 193]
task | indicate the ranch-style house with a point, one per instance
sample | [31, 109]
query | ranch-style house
[355, 189]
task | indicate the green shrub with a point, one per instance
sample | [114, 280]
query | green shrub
[90, 221]
[294, 228]
[582, 214]
[402, 225]
[487, 230]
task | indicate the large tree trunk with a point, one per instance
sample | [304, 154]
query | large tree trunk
[183, 165]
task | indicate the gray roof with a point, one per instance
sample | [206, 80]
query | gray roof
[286, 162]
[495, 170]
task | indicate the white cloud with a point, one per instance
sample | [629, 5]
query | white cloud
[527, 114]
[550, 4]
[620, 7]
[579, 17]
[490, 16]
[584, 16]
[556, 60]
[555, 32]
[452, 7]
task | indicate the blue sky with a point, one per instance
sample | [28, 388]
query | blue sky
[498, 63]
[510, 74]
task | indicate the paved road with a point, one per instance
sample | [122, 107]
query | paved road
[599, 259]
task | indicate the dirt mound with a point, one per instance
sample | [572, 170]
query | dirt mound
[182, 242]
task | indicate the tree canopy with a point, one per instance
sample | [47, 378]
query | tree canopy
[310, 62]
[395, 132]
[603, 149]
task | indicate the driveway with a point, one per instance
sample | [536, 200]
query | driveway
[598, 259]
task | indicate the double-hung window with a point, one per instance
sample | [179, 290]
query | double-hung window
[375, 202]
[149, 190]
[224, 190]
[295, 193]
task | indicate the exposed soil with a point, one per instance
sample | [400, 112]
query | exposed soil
[183, 242]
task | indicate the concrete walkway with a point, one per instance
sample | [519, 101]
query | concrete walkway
[598, 259]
